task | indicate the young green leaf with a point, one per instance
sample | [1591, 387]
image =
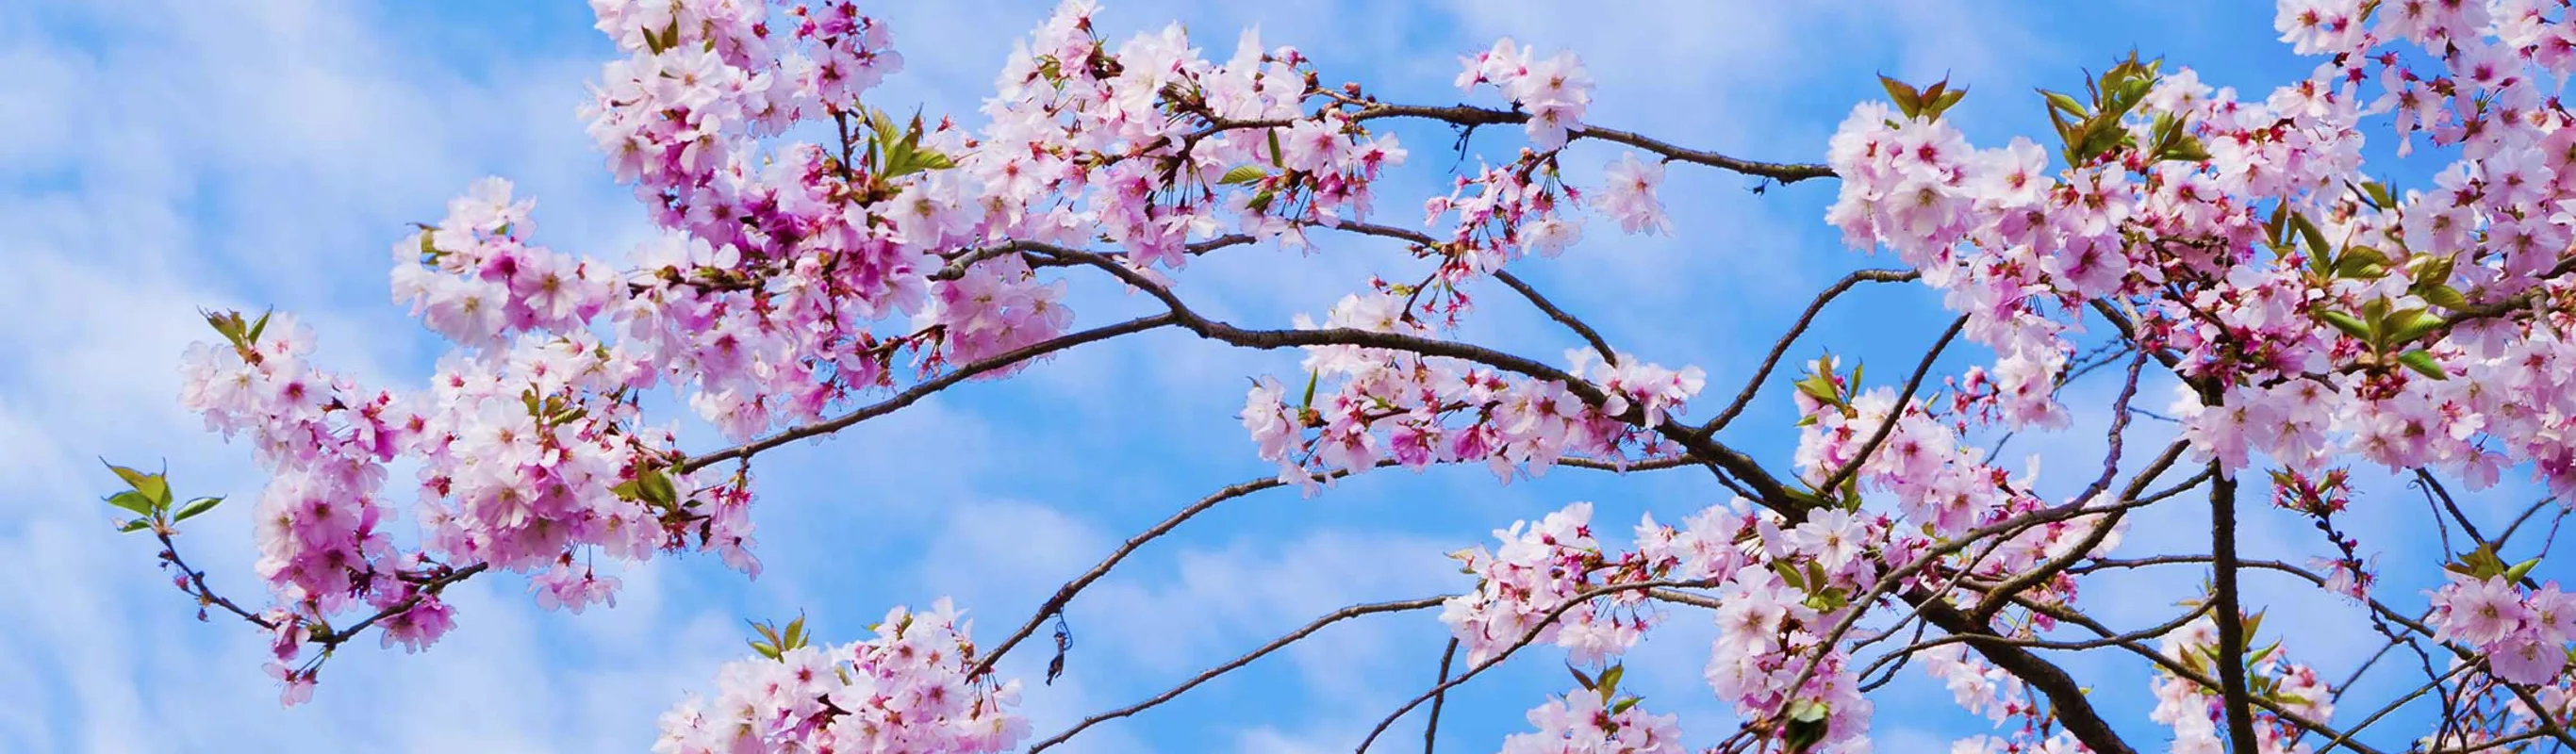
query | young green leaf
[1243, 175]
[2446, 297]
[2308, 233]
[2520, 570]
[258, 327]
[2347, 323]
[1806, 725]
[2186, 148]
[2380, 195]
[2060, 102]
[1908, 99]
[656, 487]
[154, 487]
[2361, 262]
[2405, 325]
[197, 506]
[132, 501]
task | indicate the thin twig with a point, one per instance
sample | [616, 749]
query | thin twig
[1291, 637]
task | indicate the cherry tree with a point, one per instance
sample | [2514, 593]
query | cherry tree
[823, 262]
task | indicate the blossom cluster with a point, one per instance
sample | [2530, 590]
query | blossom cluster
[1372, 404]
[1552, 581]
[1555, 91]
[907, 689]
[2196, 712]
[2522, 633]
[1585, 721]
[2322, 317]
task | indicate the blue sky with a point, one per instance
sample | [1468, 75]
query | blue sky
[157, 156]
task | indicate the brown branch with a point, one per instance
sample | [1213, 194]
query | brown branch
[2065, 697]
[2231, 618]
[1544, 621]
[1431, 730]
[1896, 412]
[2187, 674]
[1470, 116]
[1589, 335]
[204, 594]
[1769, 490]
[333, 639]
[1064, 594]
[923, 390]
[1753, 386]
[2009, 641]
[1291, 637]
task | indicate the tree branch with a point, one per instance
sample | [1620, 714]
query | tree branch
[2231, 618]
[1805, 320]
[924, 389]
[1346, 613]
[1589, 335]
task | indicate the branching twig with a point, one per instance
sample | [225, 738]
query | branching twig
[1754, 385]
[1291, 637]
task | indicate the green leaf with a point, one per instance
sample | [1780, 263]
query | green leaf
[1277, 158]
[1806, 725]
[1579, 677]
[155, 487]
[2061, 102]
[1789, 574]
[656, 487]
[2520, 570]
[134, 525]
[2431, 269]
[132, 501]
[2480, 563]
[1831, 598]
[258, 327]
[2360, 262]
[2404, 326]
[197, 506]
[1821, 388]
[2446, 297]
[1908, 99]
[2423, 364]
[2186, 148]
[1243, 175]
[1610, 679]
[1942, 104]
[2308, 233]
[1624, 704]
[668, 38]
[2346, 323]
[2380, 195]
